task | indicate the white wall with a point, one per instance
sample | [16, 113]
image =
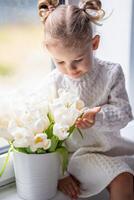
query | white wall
[115, 33]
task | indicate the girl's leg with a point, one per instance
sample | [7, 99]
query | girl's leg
[122, 187]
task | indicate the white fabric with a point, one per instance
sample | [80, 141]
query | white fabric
[102, 154]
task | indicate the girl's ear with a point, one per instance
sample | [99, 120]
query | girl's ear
[95, 42]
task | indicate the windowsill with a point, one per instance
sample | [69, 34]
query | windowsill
[10, 193]
[128, 131]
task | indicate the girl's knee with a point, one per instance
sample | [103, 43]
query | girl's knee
[124, 182]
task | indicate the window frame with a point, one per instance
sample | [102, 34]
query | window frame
[8, 176]
[4, 149]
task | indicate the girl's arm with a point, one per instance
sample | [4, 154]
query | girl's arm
[117, 113]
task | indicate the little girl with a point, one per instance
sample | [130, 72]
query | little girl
[102, 158]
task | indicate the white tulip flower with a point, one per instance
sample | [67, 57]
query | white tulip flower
[61, 131]
[24, 118]
[22, 137]
[40, 141]
[67, 98]
[67, 108]
[41, 124]
[21, 143]
[66, 116]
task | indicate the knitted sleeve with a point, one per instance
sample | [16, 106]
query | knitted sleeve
[117, 112]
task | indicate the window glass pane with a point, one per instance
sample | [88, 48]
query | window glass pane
[4, 146]
[23, 61]
[3, 142]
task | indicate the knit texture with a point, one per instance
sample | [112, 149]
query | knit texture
[102, 154]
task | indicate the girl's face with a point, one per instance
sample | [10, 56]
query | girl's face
[71, 61]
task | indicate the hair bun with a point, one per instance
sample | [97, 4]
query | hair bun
[45, 7]
[94, 9]
[91, 4]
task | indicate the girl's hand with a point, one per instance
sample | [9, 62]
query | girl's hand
[88, 118]
[69, 186]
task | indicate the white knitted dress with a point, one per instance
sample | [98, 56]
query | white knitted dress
[102, 154]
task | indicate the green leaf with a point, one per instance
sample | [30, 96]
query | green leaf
[63, 152]
[50, 117]
[28, 150]
[71, 129]
[20, 149]
[54, 143]
[40, 151]
[60, 143]
[49, 131]
[5, 163]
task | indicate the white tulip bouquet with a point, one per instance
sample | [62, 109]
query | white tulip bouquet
[35, 126]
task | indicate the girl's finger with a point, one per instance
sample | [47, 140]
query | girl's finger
[88, 122]
[92, 112]
[82, 125]
[89, 116]
[71, 191]
[96, 110]
[68, 191]
[76, 188]
[79, 122]
[64, 191]
[85, 124]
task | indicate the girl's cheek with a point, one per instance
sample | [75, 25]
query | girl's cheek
[85, 66]
[61, 69]
[88, 64]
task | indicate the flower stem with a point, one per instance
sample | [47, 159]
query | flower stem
[5, 163]
[80, 132]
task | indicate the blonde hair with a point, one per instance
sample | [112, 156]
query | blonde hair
[69, 23]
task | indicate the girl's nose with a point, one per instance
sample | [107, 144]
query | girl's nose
[72, 67]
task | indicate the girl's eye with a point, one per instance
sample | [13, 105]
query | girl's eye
[60, 63]
[79, 60]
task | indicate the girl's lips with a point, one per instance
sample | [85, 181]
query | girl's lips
[75, 74]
